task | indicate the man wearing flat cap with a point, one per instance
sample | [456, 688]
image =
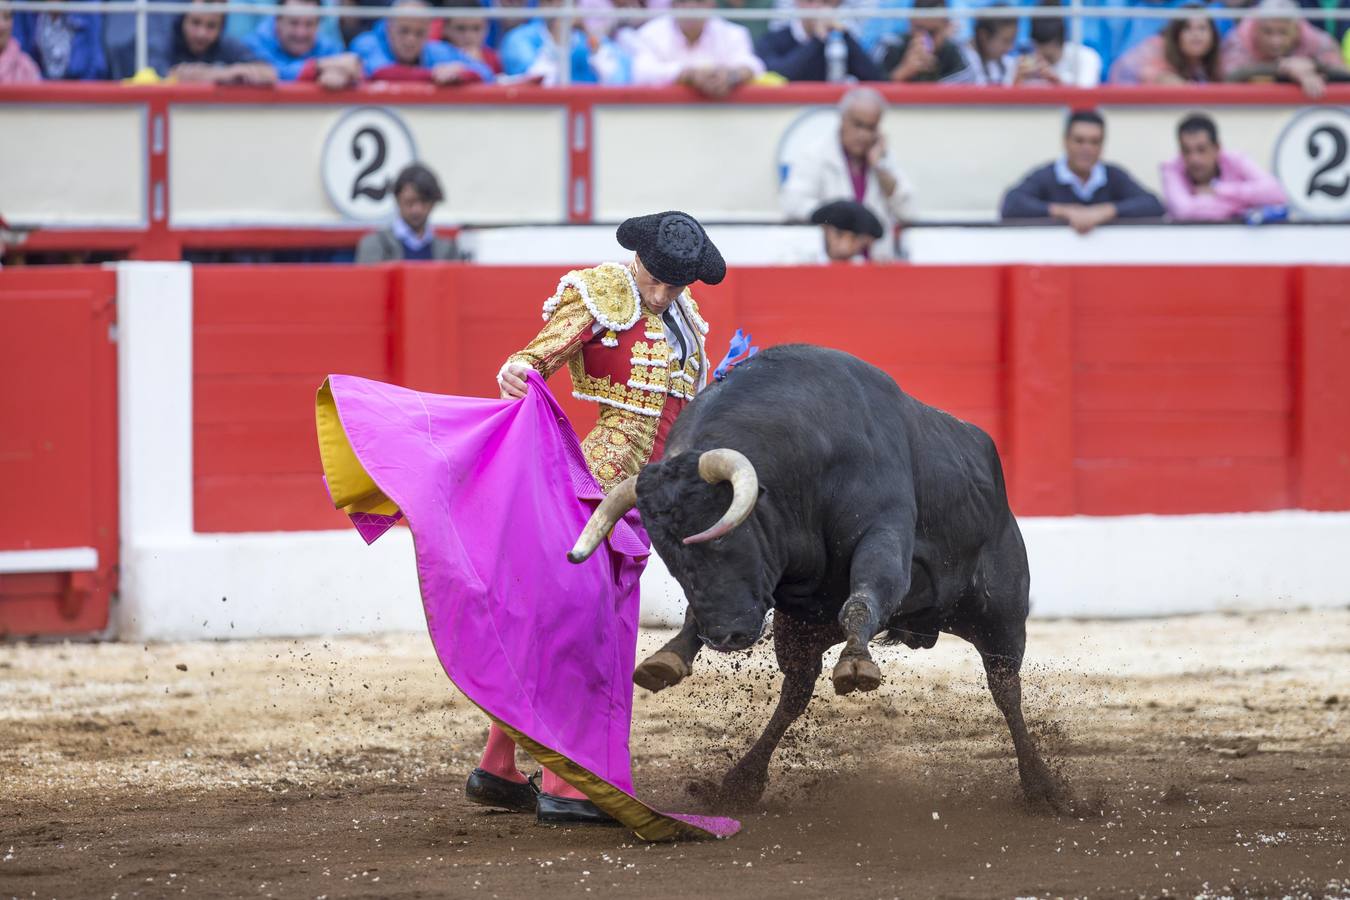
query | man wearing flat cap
[633, 341]
[850, 229]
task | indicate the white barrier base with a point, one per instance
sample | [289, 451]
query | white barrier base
[328, 582]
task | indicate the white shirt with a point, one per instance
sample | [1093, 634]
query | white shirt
[820, 174]
[661, 53]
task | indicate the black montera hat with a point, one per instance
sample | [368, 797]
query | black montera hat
[848, 215]
[674, 248]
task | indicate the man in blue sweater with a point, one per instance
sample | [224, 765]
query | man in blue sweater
[1078, 187]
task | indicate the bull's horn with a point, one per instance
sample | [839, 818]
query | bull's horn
[616, 503]
[728, 465]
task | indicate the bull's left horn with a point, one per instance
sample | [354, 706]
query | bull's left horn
[728, 465]
[611, 509]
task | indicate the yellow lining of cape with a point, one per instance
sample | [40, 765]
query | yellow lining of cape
[353, 490]
[632, 813]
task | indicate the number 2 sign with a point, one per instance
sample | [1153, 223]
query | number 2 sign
[363, 154]
[1312, 162]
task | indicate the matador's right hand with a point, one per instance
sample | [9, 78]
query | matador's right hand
[511, 380]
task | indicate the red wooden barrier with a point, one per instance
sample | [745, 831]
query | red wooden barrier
[1110, 390]
[58, 444]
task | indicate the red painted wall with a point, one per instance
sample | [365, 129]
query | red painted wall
[1110, 390]
[58, 444]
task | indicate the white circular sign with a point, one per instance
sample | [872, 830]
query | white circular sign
[1312, 162]
[362, 156]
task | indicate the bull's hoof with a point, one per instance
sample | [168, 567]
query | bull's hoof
[855, 673]
[741, 789]
[1046, 795]
[660, 670]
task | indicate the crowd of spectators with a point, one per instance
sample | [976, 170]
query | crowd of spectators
[850, 185]
[713, 55]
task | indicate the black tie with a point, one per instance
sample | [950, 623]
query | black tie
[669, 318]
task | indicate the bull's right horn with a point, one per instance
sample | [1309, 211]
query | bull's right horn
[725, 464]
[616, 503]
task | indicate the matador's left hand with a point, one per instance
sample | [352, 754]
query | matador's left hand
[511, 380]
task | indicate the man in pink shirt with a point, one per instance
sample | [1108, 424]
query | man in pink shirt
[1206, 183]
[711, 55]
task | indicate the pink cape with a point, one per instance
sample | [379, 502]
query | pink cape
[495, 493]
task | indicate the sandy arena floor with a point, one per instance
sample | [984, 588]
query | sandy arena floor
[1213, 754]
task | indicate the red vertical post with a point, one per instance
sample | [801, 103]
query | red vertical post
[1039, 390]
[580, 177]
[424, 327]
[1322, 388]
[158, 242]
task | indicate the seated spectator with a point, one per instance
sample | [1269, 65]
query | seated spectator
[498, 29]
[925, 53]
[293, 45]
[1053, 61]
[349, 27]
[469, 35]
[241, 26]
[1206, 183]
[852, 163]
[1078, 187]
[712, 56]
[202, 52]
[410, 236]
[1269, 49]
[16, 67]
[119, 42]
[65, 46]
[850, 229]
[1112, 37]
[398, 49]
[797, 52]
[618, 29]
[535, 49]
[1235, 7]
[875, 32]
[988, 56]
[1187, 52]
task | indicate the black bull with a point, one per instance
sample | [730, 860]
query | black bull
[847, 507]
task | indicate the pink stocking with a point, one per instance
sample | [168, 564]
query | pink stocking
[559, 788]
[499, 756]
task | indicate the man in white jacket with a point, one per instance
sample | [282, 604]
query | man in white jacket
[851, 164]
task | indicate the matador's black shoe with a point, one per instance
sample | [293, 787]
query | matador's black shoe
[487, 789]
[567, 811]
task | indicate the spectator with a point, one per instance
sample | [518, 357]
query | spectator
[293, 44]
[1112, 37]
[498, 29]
[712, 56]
[350, 27]
[411, 236]
[1187, 52]
[988, 56]
[119, 42]
[1206, 183]
[797, 52]
[65, 46]
[621, 28]
[535, 49]
[242, 26]
[16, 67]
[1282, 50]
[1078, 187]
[202, 52]
[1056, 62]
[852, 163]
[398, 49]
[925, 53]
[850, 229]
[876, 32]
[469, 35]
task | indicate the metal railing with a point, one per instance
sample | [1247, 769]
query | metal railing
[1075, 11]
